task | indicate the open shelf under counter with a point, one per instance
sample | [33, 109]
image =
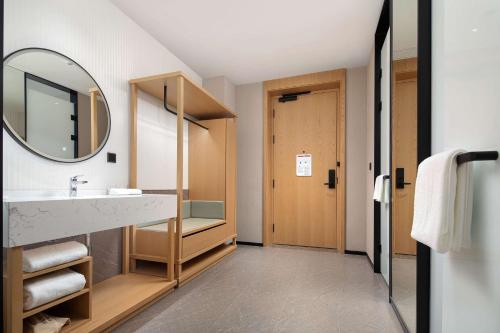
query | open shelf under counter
[53, 303]
[198, 102]
[29, 275]
[118, 298]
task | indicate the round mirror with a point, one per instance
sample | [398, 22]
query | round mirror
[52, 106]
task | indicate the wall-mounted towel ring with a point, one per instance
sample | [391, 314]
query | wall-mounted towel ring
[477, 156]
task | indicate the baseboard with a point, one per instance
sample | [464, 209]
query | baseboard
[370, 261]
[356, 253]
[361, 253]
[249, 243]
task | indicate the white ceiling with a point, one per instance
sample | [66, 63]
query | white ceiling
[255, 40]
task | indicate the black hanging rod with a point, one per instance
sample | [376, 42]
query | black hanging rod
[386, 177]
[477, 156]
[189, 118]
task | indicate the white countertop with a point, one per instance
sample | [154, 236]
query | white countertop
[33, 219]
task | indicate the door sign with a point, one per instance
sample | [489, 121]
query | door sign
[304, 165]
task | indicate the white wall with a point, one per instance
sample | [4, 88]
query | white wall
[370, 91]
[222, 89]
[157, 146]
[113, 49]
[356, 159]
[249, 104]
[465, 286]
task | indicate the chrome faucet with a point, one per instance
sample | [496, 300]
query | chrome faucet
[74, 181]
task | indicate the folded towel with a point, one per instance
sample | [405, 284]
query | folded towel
[52, 255]
[381, 190]
[443, 203]
[46, 288]
[124, 191]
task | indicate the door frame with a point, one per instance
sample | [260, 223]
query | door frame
[380, 35]
[308, 82]
[424, 99]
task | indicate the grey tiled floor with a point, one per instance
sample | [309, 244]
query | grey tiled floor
[276, 289]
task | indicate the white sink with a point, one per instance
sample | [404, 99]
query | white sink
[35, 218]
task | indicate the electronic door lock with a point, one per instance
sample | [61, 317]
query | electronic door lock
[400, 178]
[332, 179]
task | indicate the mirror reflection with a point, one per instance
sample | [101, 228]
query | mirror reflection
[53, 107]
[404, 157]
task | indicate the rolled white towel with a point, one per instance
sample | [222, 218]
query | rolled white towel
[381, 189]
[52, 255]
[46, 288]
[124, 191]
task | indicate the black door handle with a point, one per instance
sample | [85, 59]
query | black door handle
[332, 180]
[400, 178]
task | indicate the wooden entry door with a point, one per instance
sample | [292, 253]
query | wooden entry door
[304, 208]
[404, 124]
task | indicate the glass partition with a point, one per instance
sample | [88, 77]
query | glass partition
[404, 157]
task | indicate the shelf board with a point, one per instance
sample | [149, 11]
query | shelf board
[146, 257]
[117, 298]
[198, 102]
[56, 268]
[201, 263]
[74, 324]
[58, 301]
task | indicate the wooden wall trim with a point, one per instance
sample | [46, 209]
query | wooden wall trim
[180, 174]
[94, 141]
[313, 81]
[128, 232]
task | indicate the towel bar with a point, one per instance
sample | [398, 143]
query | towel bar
[387, 177]
[477, 156]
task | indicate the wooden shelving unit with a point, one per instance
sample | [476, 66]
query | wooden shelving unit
[197, 102]
[76, 306]
[211, 177]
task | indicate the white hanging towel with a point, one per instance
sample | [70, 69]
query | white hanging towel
[381, 190]
[443, 203]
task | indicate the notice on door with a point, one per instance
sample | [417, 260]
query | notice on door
[304, 165]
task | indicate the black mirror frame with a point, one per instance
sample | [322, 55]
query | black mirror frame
[424, 150]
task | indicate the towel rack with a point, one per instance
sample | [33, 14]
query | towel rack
[477, 156]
